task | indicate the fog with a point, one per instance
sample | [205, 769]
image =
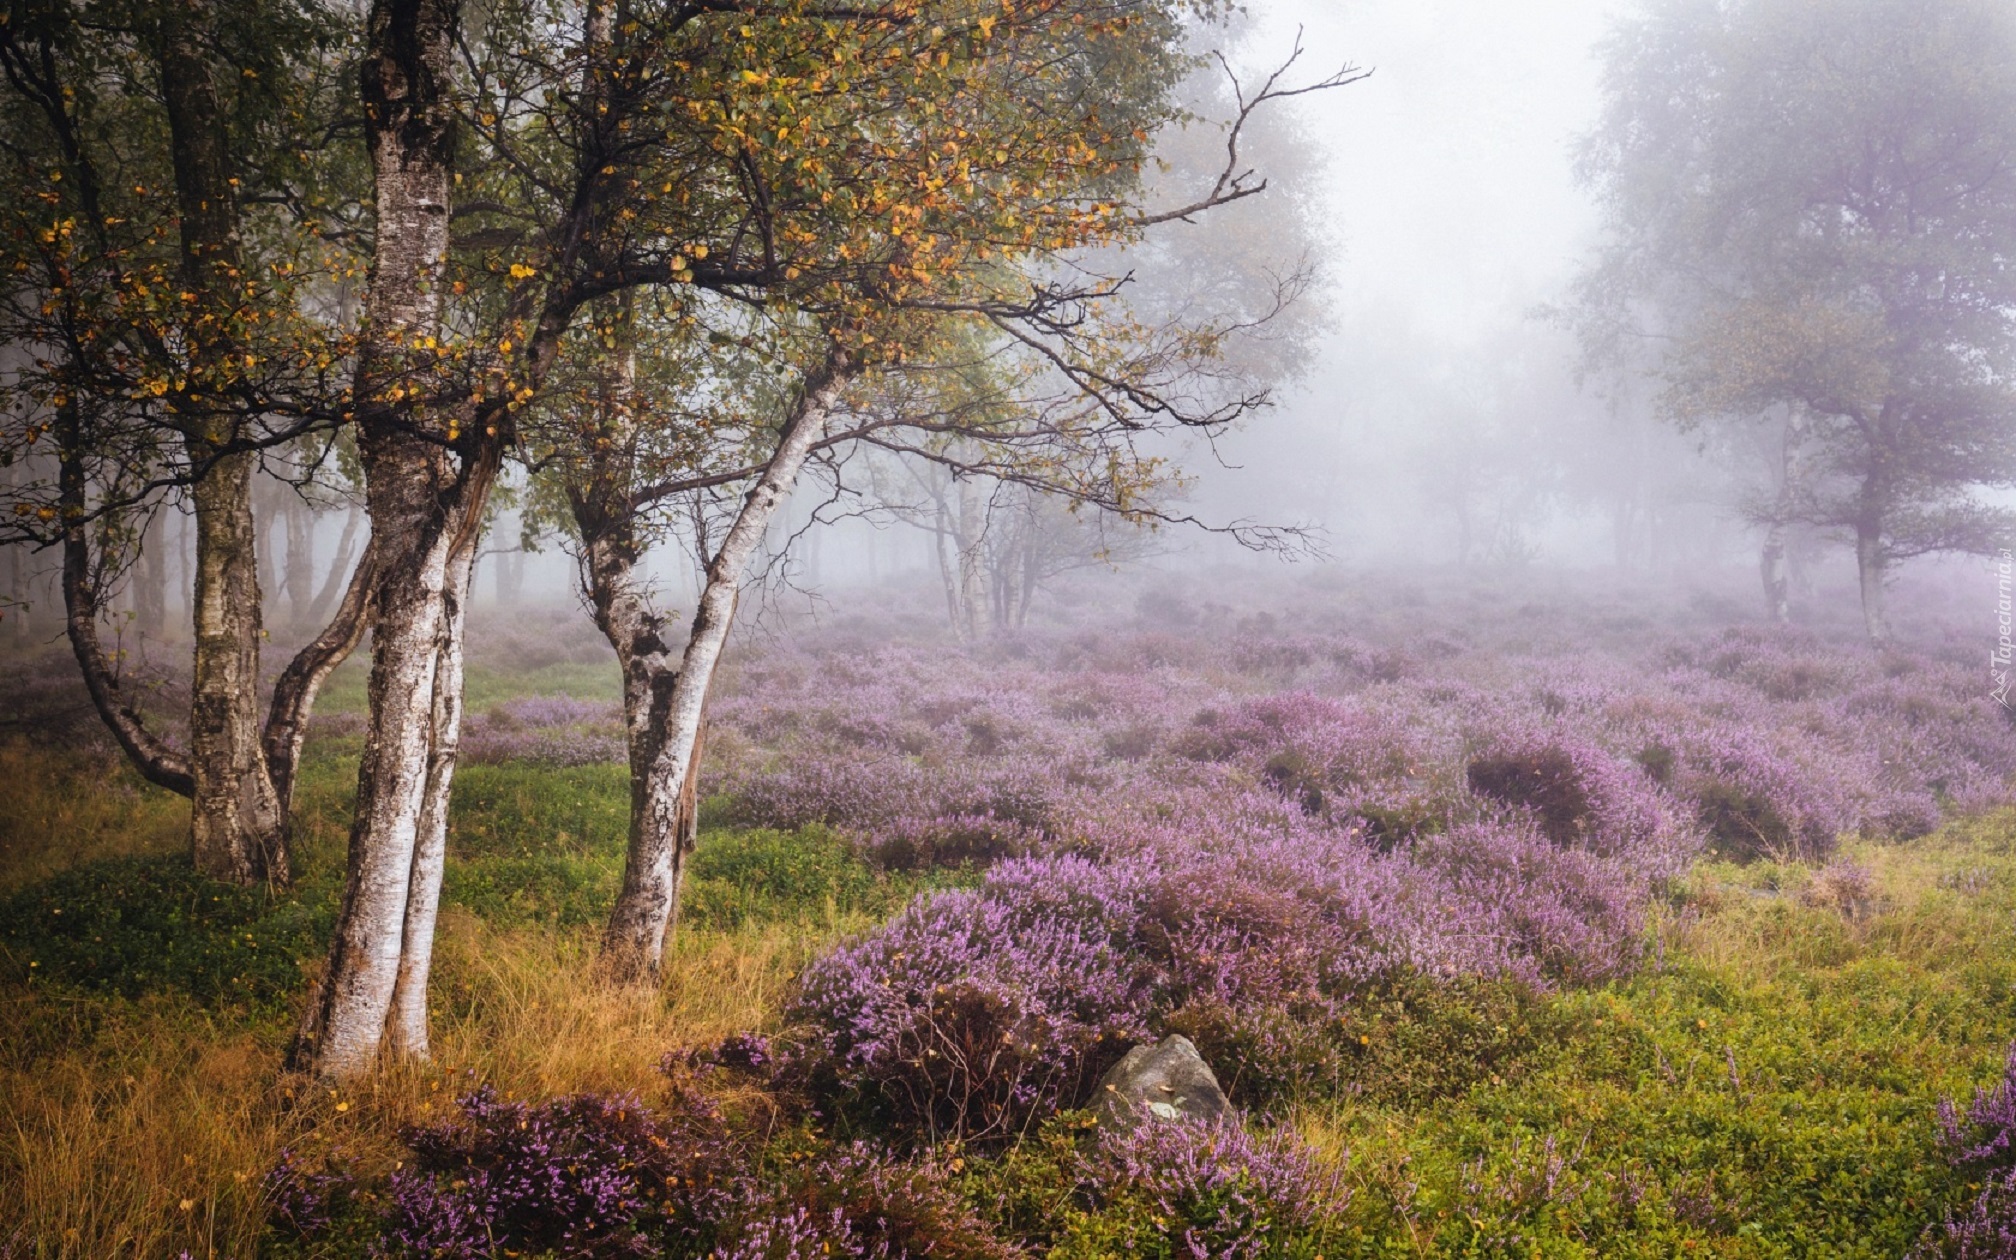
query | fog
[1450, 211]
[1431, 411]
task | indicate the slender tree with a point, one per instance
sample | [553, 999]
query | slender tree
[911, 312]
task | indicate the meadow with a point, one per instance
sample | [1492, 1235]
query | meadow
[1557, 929]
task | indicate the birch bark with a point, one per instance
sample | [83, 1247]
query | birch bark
[665, 706]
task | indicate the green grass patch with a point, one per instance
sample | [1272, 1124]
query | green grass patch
[1770, 1091]
[483, 685]
[811, 876]
[138, 926]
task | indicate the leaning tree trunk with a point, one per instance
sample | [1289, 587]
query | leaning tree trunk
[662, 805]
[295, 690]
[156, 761]
[339, 571]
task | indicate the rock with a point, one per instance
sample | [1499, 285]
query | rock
[1168, 1081]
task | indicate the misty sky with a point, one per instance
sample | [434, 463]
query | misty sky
[1449, 176]
[1452, 207]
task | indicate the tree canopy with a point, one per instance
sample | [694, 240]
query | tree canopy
[1813, 209]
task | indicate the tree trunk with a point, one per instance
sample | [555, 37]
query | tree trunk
[948, 568]
[509, 578]
[295, 690]
[1777, 585]
[350, 1015]
[300, 580]
[1791, 490]
[236, 829]
[267, 509]
[1031, 559]
[972, 560]
[14, 613]
[150, 578]
[339, 571]
[1872, 566]
[158, 763]
[425, 515]
[408, 1028]
[666, 736]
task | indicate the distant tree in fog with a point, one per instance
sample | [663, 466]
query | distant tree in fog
[1811, 212]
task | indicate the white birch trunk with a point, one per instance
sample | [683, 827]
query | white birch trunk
[407, 1030]
[634, 943]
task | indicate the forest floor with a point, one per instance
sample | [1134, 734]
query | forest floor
[1768, 1086]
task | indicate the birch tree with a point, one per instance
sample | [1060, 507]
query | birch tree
[154, 279]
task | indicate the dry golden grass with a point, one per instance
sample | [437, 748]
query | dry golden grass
[147, 1134]
[1925, 911]
[142, 1138]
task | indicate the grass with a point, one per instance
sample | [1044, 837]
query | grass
[144, 1010]
[483, 684]
[52, 821]
[1770, 1090]
[1767, 1089]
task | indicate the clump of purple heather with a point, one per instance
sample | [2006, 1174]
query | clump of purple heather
[859, 1203]
[580, 1176]
[304, 1201]
[1258, 828]
[1981, 1139]
[973, 1011]
[1575, 792]
[1213, 1191]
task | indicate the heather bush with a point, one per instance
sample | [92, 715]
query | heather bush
[1525, 906]
[579, 1176]
[973, 1012]
[305, 1202]
[1192, 1191]
[1757, 798]
[858, 1203]
[1982, 1140]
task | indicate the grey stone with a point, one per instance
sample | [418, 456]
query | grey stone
[1166, 1081]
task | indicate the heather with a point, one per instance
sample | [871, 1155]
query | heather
[1644, 945]
[1247, 837]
